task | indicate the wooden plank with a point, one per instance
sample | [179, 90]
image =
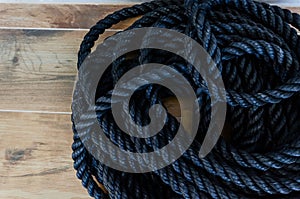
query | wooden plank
[80, 16]
[35, 157]
[38, 68]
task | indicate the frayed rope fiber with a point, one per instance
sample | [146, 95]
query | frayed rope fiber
[257, 49]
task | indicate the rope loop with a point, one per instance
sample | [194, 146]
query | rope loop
[256, 47]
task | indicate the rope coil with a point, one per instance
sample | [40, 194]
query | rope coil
[257, 49]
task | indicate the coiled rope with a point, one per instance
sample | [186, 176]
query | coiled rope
[258, 50]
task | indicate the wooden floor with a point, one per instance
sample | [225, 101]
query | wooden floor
[38, 52]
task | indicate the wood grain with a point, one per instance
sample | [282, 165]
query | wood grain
[80, 16]
[35, 157]
[38, 69]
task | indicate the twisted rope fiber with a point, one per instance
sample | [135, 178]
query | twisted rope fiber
[257, 48]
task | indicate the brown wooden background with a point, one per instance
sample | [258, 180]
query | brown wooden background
[38, 52]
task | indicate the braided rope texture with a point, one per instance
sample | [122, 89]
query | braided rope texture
[257, 49]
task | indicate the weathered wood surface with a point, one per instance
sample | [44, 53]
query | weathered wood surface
[38, 69]
[55, 15]
[38, 52]
[35, 157]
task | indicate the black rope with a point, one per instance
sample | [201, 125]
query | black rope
[258, 50]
